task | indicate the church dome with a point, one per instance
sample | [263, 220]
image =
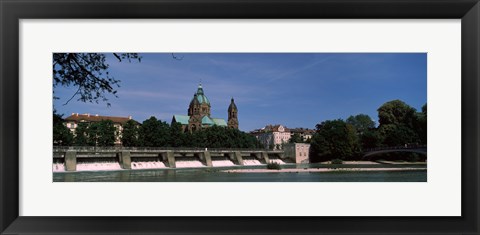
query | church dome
[201, 98]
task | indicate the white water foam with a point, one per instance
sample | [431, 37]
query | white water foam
[222, 163]
[58, 167]
[185, 164]
[148, 165]
[97, 166]
[251, 162]
[278, 161]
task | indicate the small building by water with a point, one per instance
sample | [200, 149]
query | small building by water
[298, 152]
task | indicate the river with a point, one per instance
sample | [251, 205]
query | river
[216, 175]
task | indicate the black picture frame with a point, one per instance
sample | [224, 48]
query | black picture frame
[12, 11]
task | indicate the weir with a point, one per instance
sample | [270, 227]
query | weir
[117, 158]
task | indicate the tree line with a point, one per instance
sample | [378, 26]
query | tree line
[399, 125]
[150, 133]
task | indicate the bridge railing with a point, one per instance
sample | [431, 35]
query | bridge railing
[408, 146]
[118, 148]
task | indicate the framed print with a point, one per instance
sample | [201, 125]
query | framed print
[228, 112]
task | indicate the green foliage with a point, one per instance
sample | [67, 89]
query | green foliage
[62, 136]
[400, 124]
[414, 157]
[336, 161]
[274, 166]
[396, 112]
[81, 134]
[361, 122]
[421, 124]
[131, 134]
[221, 137]
[334, 139]
[271, 146]
[370, 139]
[154, 133]
[101, 133]
[296, 138]
[89, 73]
[177, 136]
[365, 128]
[397, 135]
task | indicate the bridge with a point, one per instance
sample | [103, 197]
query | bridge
[422, 149]
[124, 155]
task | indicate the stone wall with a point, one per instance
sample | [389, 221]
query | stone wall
[298, 152]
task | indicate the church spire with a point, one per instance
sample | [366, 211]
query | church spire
[200, 89]
[232, 115]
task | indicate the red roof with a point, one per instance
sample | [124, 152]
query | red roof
[96, 118]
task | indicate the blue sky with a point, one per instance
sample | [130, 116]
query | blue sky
[292, 89]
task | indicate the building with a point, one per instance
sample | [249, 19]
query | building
[299, 152]
[199, 115]
[305, 133]
[272, 136]
[73, 120]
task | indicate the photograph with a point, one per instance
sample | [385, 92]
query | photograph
[239, 117]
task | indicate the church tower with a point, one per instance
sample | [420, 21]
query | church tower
[195, 120]
[232, 115]
[199, 117]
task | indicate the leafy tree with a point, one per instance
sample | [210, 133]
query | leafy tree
[271, 146]
[399, 124]
[92, 134]
[365, 128]
[396, 112]
[334, 139]
[370, 139]
[81, 134]
[199, 139]
[101, 133]
[220, 137]
[296, 138]
[177, 135]
[422, 124]
[130, 134]
[89, 73]
[154, 133]
[397, 134]
[62, 136]
[361, 122]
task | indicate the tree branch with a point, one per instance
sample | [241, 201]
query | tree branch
[118, 57]
[91, 74]
[176, 58]
[79, 86]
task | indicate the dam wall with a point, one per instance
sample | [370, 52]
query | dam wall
[117, 158]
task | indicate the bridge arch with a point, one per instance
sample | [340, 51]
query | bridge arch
[417, 149]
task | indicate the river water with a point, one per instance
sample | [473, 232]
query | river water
[216, 175]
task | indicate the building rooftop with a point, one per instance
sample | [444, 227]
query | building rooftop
[219, 121]
[182, 119]
[96, 118]
[272, 128]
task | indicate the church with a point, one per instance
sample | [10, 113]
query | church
[199, 114]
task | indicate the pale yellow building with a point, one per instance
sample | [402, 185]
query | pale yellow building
[73, 120]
